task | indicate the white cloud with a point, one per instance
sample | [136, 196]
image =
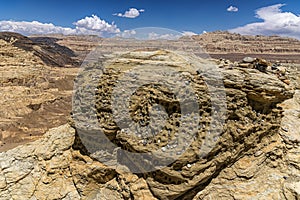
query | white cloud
[34, 27]
[232, 9]
[131, 13]
[275, 22]
[153, 34]
[94, 23]
[89, 25]
[188, 33]
[127, 34]
[167, 36]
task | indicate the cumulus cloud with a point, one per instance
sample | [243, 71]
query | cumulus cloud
[166, 36]
[94, 23]
[127, 34]
[89, 25]
[275, 22]
[153, 33]
[232, 9]
[34, 27]
[148, 36]
[131, 13]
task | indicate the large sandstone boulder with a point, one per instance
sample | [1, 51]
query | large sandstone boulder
[256, 156]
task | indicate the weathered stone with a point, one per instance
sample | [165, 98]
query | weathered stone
[250, 159]
[252, 114]
[249, 60]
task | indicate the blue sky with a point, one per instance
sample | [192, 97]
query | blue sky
[181, 15]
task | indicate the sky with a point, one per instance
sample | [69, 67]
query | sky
[109, 17]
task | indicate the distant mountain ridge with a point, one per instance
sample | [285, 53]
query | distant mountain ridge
[71, 50]
[218, 44]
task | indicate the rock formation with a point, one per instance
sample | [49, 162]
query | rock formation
[255, 157]
[47, 49]
[235, 46]
[34, 96]
[80, 45]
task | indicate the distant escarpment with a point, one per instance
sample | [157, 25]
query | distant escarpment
[47, 49]
[219, 44]
[235, 46]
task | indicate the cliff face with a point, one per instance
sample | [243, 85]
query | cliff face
[79, 45]
[235, 46]
[255, 157]
[225, 42]
[47, 49]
